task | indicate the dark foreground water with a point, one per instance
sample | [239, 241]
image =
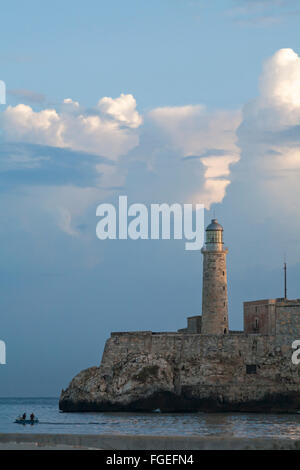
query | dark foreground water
[199, 424]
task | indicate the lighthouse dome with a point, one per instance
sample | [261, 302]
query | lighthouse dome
[214, 225]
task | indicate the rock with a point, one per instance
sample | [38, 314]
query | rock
[139, 377]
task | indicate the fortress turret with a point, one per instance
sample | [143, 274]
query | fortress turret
[214, 292]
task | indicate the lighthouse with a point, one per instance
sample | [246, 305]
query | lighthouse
[214, 291]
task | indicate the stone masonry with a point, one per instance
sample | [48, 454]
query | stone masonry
[214, 298]
[144, 371]
[204, 366]
[214, 290]
[272, 317]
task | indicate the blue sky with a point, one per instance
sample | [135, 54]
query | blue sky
[164, 101]
[164, 52]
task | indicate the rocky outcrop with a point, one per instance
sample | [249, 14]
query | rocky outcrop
[130, 385]
[181, 372]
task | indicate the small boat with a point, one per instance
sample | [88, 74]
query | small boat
[26, 421]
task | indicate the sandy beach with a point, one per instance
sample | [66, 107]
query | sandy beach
[18, 441]
[36, 446]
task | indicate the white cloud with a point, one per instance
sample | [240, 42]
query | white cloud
[218, 166]
[95, 134]
[269, 135]
[109, 133]
[213, 191]
[110, 130]
[194, 130]
[170, 134]
[21, 123]
[70, 102]
[210, 135]
[274, 116]
[280, 83]
[122, 109]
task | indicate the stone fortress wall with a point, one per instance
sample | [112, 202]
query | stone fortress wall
[182, 372]
[204, 366]
[265, 317]
[288, 319]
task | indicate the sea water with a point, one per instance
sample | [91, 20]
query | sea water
[167, 424]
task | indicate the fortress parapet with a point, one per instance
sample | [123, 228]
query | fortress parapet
[272, 317]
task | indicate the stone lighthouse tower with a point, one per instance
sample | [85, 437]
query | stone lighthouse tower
[214, 292]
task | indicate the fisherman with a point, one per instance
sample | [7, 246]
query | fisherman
[32, 417]
[24, 416]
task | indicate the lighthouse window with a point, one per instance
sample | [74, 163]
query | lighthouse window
[251, 369]
[214, 237]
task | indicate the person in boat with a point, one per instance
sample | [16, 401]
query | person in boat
[32, 417]
[24, 416]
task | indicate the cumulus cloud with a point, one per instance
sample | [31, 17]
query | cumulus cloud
[187, 152]
[269, 136]
[209, 136]
[60, 153]
[180, 153]
[70, 148]
[21, 123]
[280, 83]
[109, 131]
[274, 116]
[122, 109]
[213, 191]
